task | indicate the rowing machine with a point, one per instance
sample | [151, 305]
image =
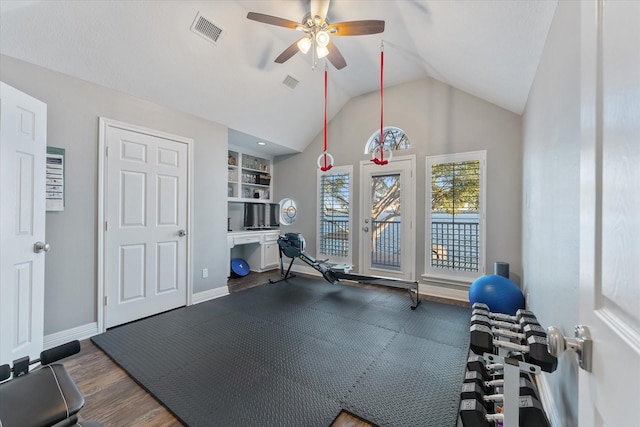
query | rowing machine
[292, 246]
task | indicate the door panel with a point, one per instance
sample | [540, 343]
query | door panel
[145, 248]
[168, 257]
[23, 133]
[387, 243]
[610, 202]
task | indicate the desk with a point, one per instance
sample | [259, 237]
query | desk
[259, 248]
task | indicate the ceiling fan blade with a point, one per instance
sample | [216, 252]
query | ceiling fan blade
[319, 8]
[335, 57]
[288, 52]
[273, 20]
[356, 28]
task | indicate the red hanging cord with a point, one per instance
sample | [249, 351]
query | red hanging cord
[381, 102]
[381, 160]
[326, 166]
[325, 117]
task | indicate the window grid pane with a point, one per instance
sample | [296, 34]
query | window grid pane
[334, 214]
[455, 219]
[386, 222]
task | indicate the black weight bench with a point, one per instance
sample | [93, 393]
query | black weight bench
[44, 397]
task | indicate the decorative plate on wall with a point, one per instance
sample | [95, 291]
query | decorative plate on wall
[288, 211]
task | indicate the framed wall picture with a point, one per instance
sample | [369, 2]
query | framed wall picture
[55, 179]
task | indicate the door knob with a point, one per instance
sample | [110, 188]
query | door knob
[582, 344]
[365, 229]
[182, 233]
[41, 247]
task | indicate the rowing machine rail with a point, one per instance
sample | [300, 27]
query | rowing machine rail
[292, 246]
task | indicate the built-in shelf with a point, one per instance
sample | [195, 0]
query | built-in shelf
[249, 178]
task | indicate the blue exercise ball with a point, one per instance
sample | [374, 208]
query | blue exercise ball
[239, 267]
[498, 292]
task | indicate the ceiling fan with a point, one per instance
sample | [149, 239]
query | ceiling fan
[318, 31]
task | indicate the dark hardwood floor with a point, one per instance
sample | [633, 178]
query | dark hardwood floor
[115, 399]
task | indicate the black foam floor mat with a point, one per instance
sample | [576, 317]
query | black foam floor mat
[295, 353]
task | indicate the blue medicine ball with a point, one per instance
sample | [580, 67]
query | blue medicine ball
[498, 292]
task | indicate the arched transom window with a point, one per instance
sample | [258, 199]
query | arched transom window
[394, 140]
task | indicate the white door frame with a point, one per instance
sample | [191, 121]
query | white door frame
[102, 170]
[410, 257]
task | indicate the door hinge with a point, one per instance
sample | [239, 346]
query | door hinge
[106, 151]
[105, 300]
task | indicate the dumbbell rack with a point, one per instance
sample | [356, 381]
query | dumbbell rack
[474, 404]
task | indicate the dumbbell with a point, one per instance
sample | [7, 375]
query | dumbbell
[535, 351]
[485, 393]
[482, 318]
[477, 367]
[526, 331]
[531, 414]
[527, 388]
[484, 309]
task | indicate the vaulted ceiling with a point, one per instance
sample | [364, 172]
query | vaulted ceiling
[489, 49]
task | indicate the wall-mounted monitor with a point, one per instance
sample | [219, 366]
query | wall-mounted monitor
[261, 216]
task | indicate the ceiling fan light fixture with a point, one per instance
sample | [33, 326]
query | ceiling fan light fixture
[322, 51]
[304, 44]
[322, 38]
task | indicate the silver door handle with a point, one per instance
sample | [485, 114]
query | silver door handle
[182, 233]
[41, 247]
[365, 229]
[582, 344]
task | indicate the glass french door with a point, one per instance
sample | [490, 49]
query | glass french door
[387, 211]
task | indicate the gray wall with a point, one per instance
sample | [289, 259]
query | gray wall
[73, 110]
[551, 188]
[438, 119]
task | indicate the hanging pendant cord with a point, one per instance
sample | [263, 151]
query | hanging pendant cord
[381, 160]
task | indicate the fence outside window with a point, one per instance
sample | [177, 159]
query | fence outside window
[455, 244]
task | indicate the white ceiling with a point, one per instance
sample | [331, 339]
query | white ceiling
[490, 49]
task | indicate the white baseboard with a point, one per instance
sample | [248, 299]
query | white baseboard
[548, 403]
[444, 292]
[90, 329]
[78, 333]
[209, 295]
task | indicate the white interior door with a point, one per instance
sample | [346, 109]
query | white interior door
[387, 211]
[610, 212]
[23, 141]
[146, 231]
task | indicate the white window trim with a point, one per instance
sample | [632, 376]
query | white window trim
[448, 276]
[348, 169]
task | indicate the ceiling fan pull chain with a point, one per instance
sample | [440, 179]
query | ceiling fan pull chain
[324, 154]
[381, 160]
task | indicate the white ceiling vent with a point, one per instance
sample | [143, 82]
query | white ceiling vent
[207, 29]
[290, 82]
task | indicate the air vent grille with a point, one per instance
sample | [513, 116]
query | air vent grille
[290, 82]
[206, 29]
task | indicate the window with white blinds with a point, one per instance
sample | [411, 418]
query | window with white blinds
[334, 214]
[455, 215]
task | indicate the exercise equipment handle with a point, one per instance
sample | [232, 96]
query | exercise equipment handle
[60, 352]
